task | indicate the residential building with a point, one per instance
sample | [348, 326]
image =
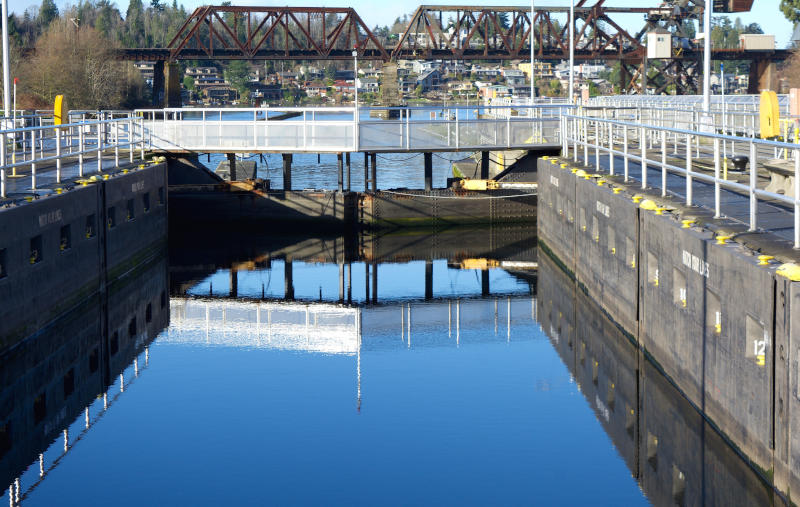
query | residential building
[430, 80]
[367, 84]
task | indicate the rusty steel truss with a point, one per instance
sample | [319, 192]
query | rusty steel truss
[447, 33]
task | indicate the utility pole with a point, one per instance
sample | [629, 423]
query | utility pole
[571, 50]
[707, 10]
[6, 69]
[533, 56]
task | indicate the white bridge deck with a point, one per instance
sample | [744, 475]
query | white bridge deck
[336, 130]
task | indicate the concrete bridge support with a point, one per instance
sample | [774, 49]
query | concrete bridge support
[484, 165]
[485, 289]
[166, 84]
[428, 171]
[763, 76]
[347, 176]
[339, 172]
[158, 84]
[288, 282]
[366, 172]
[428, 279]
[374, 169]
[232, 165]
[287, 171]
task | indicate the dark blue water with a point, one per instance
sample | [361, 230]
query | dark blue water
[271, 380]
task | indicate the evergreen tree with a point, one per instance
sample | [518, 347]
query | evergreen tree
[47, 13]
[791, 9]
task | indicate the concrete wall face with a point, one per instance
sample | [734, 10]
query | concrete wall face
[669, 448]
[58, 250]
[48, 380]
[714, 320]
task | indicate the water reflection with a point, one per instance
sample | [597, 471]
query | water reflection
[674, 454]
[459, 367]
[56, 385]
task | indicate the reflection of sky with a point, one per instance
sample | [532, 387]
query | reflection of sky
[488, 423]
[395, 281]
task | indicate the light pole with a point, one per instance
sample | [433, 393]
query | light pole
[571, 50]
[355, 96]
[6, 70]
[533, 56]
[707, 10]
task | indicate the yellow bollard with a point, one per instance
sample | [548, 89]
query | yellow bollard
[763, 260]
[723, 238]
[687, 223]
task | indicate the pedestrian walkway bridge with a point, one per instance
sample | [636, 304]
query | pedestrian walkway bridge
[352, 129]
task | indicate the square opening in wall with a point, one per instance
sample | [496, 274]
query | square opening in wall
[713, 313]
[160, 195]
[652, 269]
[130, 210]
[679, 288]
[678, 486]
[69, 383]
[595, 230]
[65, 241]
[36, 254]
[756, 341]
[146, 202]
[612, 245]
[91, 227]
[112, 217]
[630, 253]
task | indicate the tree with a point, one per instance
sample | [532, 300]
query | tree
[47, 13]
[238, 76]
[78, 63]
[791, 9]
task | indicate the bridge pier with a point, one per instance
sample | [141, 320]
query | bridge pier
[339, 172]
[485, 283]
[172, 85]
[287, 171]
[484, 165]
[366, 172]
[374, 169]
[428, 279]
[233, 290]
[232, 165]
[347, 163]
[428, 171]
[158, 84]
[763, 76]
[288, 282]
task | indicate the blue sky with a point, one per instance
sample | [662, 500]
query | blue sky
[765, 12]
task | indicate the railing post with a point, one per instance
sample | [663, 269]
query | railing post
[408, 132]
[457, 135]
[585, 143]
[625, 151]
[130, 140]
[58, 155]
[796, 198]
[33, 159]
[80, 150]
[116, 144]
[597, 145]
[643, 143]
[610, 148]
[99, 148]
[4, 162]
[508, 129]
[205, 143]
[141, 140]
[753, 181]
[575, 127]
[688, 169]
[716, 178]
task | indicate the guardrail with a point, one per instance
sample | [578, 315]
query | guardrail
[616, 138]
[71, 143]
[349, 129]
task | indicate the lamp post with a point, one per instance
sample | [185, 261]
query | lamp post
[571, 50]
[707, 11]
[6, 70]
[355, 97]
[533, 56]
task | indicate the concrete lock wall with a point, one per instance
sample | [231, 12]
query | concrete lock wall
[48, 381]
[670, 449]
[712, 319]
[58, 250]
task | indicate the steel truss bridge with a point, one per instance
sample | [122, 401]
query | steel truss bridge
[459, 32]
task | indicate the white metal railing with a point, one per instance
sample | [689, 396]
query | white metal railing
[70, 145]
[632, 141]
[350, 129]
